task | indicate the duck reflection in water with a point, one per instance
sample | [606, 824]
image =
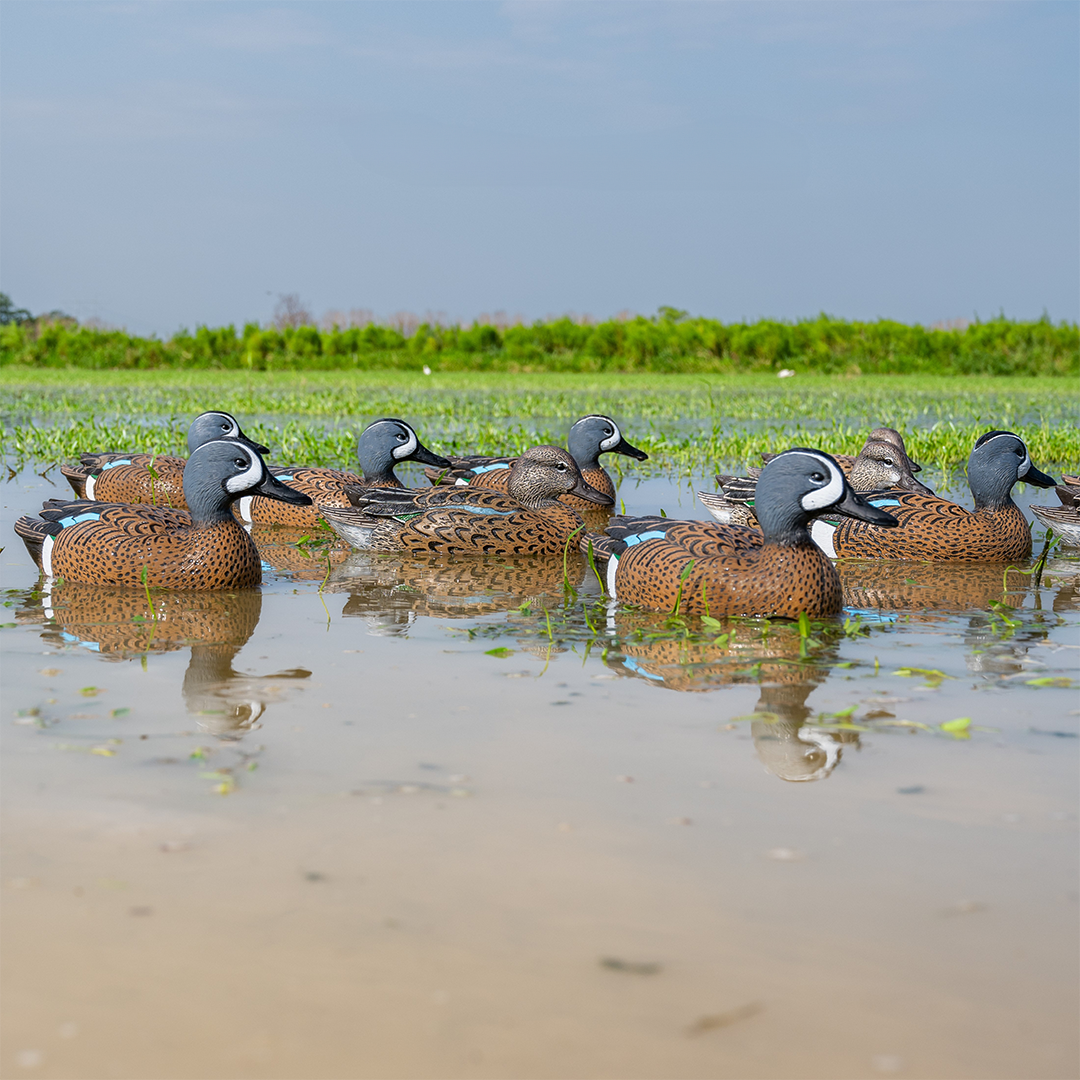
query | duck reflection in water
[121, 624]
[392, 591]
[788, 744]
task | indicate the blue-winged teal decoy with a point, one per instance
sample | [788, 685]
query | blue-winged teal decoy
[383, 445]
[878, 435]
[157, 546]
[590, 437]
[449, 520]
[729, 570]
[879, 466]
[149, 478]
[1063, 519]
[936, 529]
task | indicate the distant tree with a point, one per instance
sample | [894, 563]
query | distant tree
[291, 311]
[9, 313]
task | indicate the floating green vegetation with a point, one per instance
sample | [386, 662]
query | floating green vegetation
[686, 423]
[670, 341]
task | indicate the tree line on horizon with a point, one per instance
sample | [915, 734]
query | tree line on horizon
[670, 341]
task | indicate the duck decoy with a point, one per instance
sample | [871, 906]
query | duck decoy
[935, 529]
[149, 478]
[878, 435]
[448, 520]
[878, 466]
[1063, 519]
[729, 570]
[383, 444]
[157, 546]
[590, 437]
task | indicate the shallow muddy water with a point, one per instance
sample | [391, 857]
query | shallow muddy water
[389, 818]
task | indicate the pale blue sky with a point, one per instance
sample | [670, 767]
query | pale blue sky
[169, 164]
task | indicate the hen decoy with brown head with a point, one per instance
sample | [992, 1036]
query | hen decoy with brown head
[466, 520]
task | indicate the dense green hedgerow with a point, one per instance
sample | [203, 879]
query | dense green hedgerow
[667, 342]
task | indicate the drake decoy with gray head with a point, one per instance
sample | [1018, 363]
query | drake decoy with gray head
[712, 569]
[150, 478]
[156, 546]
[590, 437]
[466, 520]
[383, 445]
[1063, 519]
[935, 529]
[879, 435]
[878, 467]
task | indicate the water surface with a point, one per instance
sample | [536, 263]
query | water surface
[393, 818]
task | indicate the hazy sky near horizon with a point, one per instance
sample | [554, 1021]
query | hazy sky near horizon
[175, 164]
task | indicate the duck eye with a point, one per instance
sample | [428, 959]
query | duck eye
[817, 476]
[240, 463]
[889, 461]
[401, 436]
[561, 466]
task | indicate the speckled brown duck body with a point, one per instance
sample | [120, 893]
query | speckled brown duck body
[731, 570]
[467, 520]
[935, 529]
[159, 547]
[590, 437]
[383, 444]
[157, 479]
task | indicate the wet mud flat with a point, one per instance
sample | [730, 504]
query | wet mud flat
[392, 817]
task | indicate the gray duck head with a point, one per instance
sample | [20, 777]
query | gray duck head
[544, 472]
[881, 465]
[594, 435]
[388, 442]
[998, 461]
[800, 484]
[220, 472]
[208, 426]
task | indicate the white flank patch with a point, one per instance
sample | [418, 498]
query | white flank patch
[612, 440]
[88, 488]
[612, 569]
[821, 532]
[461, 483]
[252, 475]
[46, 556]
[831, 493]
[244, 507]
[408, 448]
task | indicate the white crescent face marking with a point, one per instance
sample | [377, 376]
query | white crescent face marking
[405, 449]
[831, 493]
[612, 440]
[252, 475]
[1025, 466]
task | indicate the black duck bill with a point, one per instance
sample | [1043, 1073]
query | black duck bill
[273, 488]
[588, 492]
[855, 506]
[623, 447]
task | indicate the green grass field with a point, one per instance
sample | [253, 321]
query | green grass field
[685, 422]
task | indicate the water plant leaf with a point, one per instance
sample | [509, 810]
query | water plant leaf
[960, 728]
[500, 652]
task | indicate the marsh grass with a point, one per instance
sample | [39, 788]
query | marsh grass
[685, 422]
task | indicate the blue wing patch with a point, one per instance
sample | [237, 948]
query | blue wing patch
[76, 518]
[113, 464]
[640, 538]
[478, 469]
